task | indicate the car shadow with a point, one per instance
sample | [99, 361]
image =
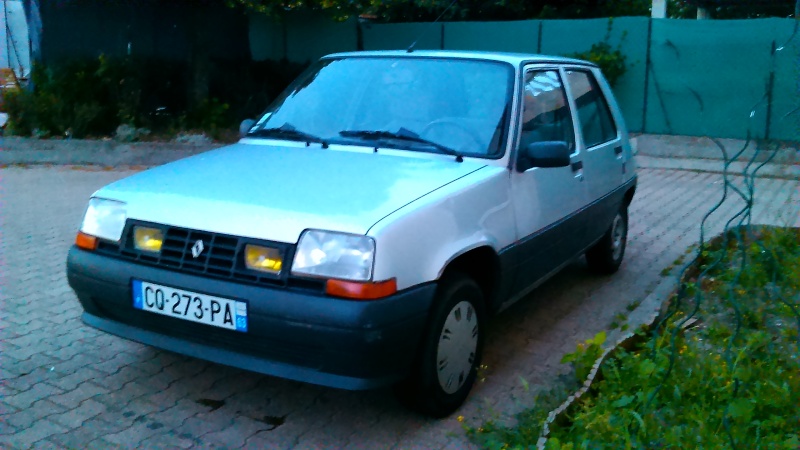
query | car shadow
[523, 331]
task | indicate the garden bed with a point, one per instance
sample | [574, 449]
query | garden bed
[719, 369]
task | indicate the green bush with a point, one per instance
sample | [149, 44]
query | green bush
[612, 62]
[79, 98]
[210, 116]
[92, 97]
[584, 357]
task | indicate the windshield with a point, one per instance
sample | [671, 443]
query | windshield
[422, 104]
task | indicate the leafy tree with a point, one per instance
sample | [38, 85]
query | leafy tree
[429, 10]
[485, 10]
[735, 9]
[582, 9]
[339, 9]
[423, 11]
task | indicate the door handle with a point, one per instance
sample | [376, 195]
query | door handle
[618, 150]
[577, 165]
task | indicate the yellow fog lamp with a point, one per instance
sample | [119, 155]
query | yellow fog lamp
[262, 259]
[148, 239]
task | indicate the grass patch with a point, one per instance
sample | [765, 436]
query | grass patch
[633, 305]
[618, 321]
[721, 369]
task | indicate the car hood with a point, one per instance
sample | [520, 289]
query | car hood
[274, 192]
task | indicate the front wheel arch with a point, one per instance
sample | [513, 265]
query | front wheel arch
[481, 264]
[424, 390]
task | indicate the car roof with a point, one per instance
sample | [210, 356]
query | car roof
[513, 58]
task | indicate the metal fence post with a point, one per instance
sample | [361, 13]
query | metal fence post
[539, 43]
[770, 88]
[647, 73]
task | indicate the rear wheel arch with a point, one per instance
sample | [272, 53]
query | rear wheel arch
[629, 195]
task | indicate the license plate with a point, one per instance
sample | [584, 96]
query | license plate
[188, 305]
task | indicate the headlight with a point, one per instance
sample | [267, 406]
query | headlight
[104, 219]
[334, 255]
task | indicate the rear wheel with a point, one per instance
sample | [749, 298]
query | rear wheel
[606, 256]
[448, 361]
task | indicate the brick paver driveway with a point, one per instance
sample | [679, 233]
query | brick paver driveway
[66, 385]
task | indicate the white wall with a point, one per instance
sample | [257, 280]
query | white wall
[14, 46]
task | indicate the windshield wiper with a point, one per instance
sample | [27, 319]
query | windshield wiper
[402, 135]
[287, 131]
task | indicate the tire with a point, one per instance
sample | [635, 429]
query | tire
[450, 354]
[606, 256]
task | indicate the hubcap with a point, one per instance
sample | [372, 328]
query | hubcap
[617, 237]
[458, 342]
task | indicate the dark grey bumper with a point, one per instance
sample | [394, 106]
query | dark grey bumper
[292, 334]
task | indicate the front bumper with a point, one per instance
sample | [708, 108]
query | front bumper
[292, 333]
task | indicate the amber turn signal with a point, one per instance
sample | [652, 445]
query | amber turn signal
[85, 241]
[361, 291]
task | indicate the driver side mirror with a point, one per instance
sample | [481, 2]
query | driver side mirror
[245, 126]
[544, 154]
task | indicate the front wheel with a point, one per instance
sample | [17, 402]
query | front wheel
[448, 361]
[606, 256]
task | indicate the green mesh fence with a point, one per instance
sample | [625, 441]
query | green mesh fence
[300, 37]
[709, 77]
[310, 37]
[785, 114]
[399, 36]
[704, 78]
[266, 38]
[518, 37]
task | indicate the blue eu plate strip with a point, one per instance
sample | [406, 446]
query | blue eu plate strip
[137, 294]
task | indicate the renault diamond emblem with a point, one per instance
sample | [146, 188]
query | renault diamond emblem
[197, 248]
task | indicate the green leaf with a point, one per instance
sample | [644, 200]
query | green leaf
[638, 419]
[624, 401]
[741, 409]
[646, 368]
[599, 338]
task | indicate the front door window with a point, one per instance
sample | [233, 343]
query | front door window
[545, 112]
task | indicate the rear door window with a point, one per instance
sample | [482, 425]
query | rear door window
[597, 125]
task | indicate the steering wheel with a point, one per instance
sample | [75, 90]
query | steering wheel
[470, 134]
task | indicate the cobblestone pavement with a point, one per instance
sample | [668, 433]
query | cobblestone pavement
[63, 384]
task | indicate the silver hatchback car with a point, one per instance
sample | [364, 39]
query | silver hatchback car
[365, 227]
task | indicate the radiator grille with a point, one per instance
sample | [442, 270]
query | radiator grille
[221, 255]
